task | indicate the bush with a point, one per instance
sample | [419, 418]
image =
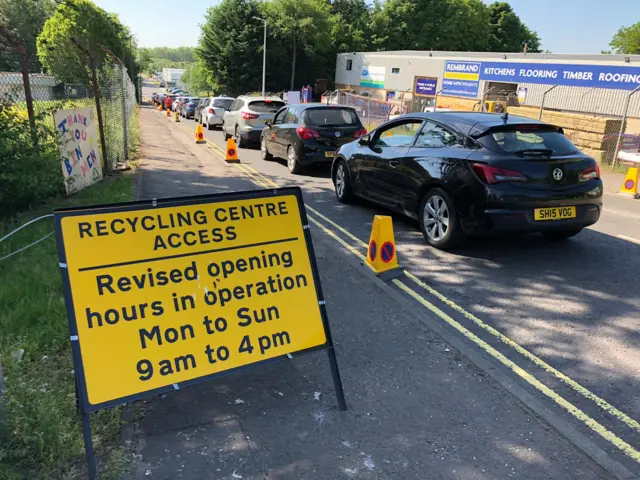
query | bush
[29, 174]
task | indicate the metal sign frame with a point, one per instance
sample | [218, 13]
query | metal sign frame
[81, 387]
[416, 78]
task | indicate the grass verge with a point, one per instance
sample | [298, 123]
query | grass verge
[41, 434]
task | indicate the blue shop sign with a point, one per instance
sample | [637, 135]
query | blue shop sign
[591, 76]
[426, 86]
[461, 78]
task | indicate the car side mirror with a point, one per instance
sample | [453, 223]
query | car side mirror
[268, 123]
[364, 141]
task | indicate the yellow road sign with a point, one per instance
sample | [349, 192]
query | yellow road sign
[164, 294]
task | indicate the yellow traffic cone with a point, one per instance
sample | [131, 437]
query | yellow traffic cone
[630, 184]
[200, 134]
[231, 155]
[176, 118]
[381, 254]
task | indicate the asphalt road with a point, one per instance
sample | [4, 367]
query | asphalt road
[573, 305]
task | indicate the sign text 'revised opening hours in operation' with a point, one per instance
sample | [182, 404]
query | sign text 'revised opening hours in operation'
[170, 294]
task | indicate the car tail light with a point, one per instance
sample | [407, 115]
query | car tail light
[360, 133]
[249, 116]
[307, 133]
[491, 174]
[211, 110]
[590, 173]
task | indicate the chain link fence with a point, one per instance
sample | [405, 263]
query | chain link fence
[119, 112]
[603, 123]
[372, 112]
[30, 162]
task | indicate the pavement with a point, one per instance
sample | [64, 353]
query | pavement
[423, 404]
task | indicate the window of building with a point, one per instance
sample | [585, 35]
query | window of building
[349, 64]
[395, 71]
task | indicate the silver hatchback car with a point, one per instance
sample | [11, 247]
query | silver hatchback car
[245, 118]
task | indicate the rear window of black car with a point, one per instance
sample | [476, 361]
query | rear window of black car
[222, 103]
[334, 117]
[266, 106]
[526, 139]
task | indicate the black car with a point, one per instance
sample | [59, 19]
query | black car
[309, 133]
[468, 173]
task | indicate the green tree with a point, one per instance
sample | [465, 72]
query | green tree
[306, 25]
[508, 33]
[627, 40]
[23, 20]
[145, 60]
[91, 27]
[198, 78]
[227, 46]
[351, 26]
[431, 25]
[180, 54]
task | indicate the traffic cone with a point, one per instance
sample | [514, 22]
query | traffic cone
[232, 152]
[168, 112]
[630, 184]
[200, 134]
[176, 118]
[381, 254]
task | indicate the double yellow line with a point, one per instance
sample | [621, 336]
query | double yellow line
[265, 182]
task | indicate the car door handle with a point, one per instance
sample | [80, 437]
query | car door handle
[394, 163]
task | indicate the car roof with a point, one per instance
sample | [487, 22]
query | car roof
[253, 99]
[473, 123]
[304, 106]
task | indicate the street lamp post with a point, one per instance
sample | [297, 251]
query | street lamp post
[264, 56]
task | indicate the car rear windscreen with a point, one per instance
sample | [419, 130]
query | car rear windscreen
[336, 117]
[527, 138]
[266, 106]
[222, 102]
[193, 99]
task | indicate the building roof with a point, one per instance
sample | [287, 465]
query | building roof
[580, 57]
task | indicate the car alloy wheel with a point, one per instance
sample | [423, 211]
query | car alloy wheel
[264, 151]
[340, 180]
[436, 218]
[292, 160]
[240, 142]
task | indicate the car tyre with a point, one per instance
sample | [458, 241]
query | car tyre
[241, 142]
[264, 151]
[292, 161]
[559, 235]
[224, 132]
[438, 220]
[342, 183]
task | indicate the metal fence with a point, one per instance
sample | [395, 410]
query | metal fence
[372, 112]
[601, 122]
[37, 96]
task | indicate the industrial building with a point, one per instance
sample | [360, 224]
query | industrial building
[593, 96]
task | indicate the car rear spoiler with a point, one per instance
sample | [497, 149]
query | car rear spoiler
[480, 130]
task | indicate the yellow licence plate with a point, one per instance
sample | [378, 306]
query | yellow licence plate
[330, 154]
[558, 213]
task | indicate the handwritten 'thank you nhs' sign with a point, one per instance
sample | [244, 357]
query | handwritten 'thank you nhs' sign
[78, 145]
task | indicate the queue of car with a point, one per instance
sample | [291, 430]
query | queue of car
[459, 174]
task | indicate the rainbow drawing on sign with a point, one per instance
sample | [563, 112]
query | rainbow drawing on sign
[80, 159]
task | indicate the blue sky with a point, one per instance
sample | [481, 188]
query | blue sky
[565, 26]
